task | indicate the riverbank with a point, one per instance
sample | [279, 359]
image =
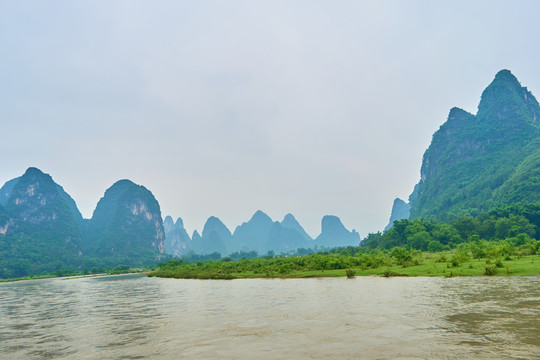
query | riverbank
[71, 277]
[36, 277]
[424, 264]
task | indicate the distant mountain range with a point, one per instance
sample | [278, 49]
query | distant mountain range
[474, 163]
[483, 161]
[260, 234]
[42, 230]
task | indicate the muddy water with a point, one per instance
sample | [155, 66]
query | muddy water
[134, 317]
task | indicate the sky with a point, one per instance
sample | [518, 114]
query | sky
[222, 108]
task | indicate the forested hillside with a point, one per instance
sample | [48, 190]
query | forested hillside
[483, 161]
[42, 230]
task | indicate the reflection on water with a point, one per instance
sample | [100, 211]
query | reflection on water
[134, 317]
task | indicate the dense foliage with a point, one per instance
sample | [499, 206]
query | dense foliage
[518, 223]
[484, 161]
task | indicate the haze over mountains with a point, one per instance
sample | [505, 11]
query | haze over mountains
[474, 163]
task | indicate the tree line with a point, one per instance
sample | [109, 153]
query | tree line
[518, 224]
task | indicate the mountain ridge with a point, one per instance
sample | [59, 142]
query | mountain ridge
[42, 230]
[483, 161]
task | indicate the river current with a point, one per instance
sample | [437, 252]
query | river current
[135, 317]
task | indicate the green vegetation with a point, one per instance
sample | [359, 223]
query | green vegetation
[482, 161]
[517, 224]
[126, 224]
[362, 263]
[42, 232]
[498, 242]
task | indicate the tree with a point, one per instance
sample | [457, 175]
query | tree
[401, 254]
[434, 246]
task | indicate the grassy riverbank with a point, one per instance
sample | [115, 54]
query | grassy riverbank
[448, 264]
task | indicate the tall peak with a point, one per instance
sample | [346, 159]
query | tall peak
[179, 222]
[213, 220]
[400, 210]
[456, 112]
[289, 221]
[331, 222]
[215, 224]
[472, 159]
[289, 217]
[33, 171]
[507, 76]
[334, 233]
[123, 183]
[196, 236]
[504, 98]
[260, 215]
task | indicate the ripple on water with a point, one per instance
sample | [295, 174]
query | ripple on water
[132, 317]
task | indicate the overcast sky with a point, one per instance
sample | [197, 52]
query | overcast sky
[221, 108]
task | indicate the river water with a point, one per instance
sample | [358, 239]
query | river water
[135, 317]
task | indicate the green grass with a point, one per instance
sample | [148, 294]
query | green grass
[526, 265]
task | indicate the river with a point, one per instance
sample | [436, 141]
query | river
[135, 317]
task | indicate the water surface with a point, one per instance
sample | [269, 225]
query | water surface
[134, 317]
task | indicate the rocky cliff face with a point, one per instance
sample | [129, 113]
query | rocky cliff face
[334, 234]
[35, 203]
[400, 210]
[39, 226]
[42, 230]
[127, 222]
[5, 191]
[176, 237]
[485, 160]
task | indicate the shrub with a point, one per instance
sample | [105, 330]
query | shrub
[434, 246]
[285, 269]
[389, 273]
[441, 258]
[490, 270]
[401, 255]
[462, 254]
